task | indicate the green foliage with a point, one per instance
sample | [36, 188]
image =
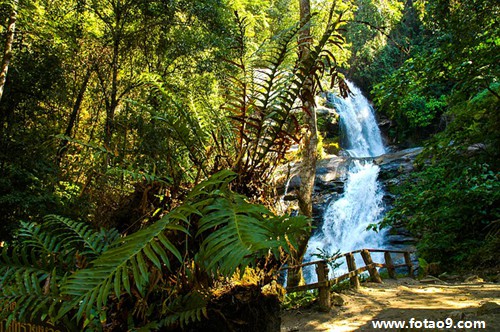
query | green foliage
[321, 254]
[219, 233]
[376, 35]
[300, 299]
[452, 202]
[410, 99]
[422, 266]
[450, 209]
[449, 84]
[452, 58]
[34, 267]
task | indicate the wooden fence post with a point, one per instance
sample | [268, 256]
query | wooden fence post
[324, 290]
[409, 264]
[351, 265]
[389, 265]
[367, 258]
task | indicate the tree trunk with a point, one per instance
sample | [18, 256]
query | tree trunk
[7, 53]
[309, 153]
[73, 116]
[113, 102]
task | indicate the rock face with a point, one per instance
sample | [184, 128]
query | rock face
[329, 185]
[393, 165]
[328, 122]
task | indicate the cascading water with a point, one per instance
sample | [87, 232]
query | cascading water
[346, 219]
[361, 135]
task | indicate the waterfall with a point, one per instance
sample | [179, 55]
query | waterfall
[346, 219]
[361, 135]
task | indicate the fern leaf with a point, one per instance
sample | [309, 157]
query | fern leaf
[27, 298]
[74, 235]
[110, 272]
[240, 234]
[185, 309]
[20, 263]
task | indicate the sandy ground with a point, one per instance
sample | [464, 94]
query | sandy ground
[403, 299]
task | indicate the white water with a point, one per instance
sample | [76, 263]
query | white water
[361, 134]
[346, 219]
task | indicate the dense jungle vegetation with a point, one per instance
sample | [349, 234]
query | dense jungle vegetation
[139, 142]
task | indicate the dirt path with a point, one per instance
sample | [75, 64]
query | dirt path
[402, 300]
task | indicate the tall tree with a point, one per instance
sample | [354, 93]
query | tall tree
[7, 53]
[310, 139]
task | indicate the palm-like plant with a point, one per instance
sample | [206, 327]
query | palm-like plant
[263, 99]
[33, 269]
[68, 274]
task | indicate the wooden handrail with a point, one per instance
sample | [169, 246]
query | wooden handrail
[324, 284]
[334, 258]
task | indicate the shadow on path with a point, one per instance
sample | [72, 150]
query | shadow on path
[400, 301]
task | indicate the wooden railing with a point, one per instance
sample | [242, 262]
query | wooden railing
[323, 285]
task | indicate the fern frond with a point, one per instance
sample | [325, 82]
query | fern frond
[215, 182]
[261, 106]
[25, 263]
[125, 265]
[185, 127]
[32, 236]
[30, 297]
[240, 235]
[79, 236]
[185, 309]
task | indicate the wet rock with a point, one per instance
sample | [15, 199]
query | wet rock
[398, 156]
[398, 236]
[294, 183]
[393, 165]
[478, 147]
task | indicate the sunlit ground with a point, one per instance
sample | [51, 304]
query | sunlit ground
[400, 300]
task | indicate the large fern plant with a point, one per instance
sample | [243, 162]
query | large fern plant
[63, 272]
[264, 97]
[33, 269]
